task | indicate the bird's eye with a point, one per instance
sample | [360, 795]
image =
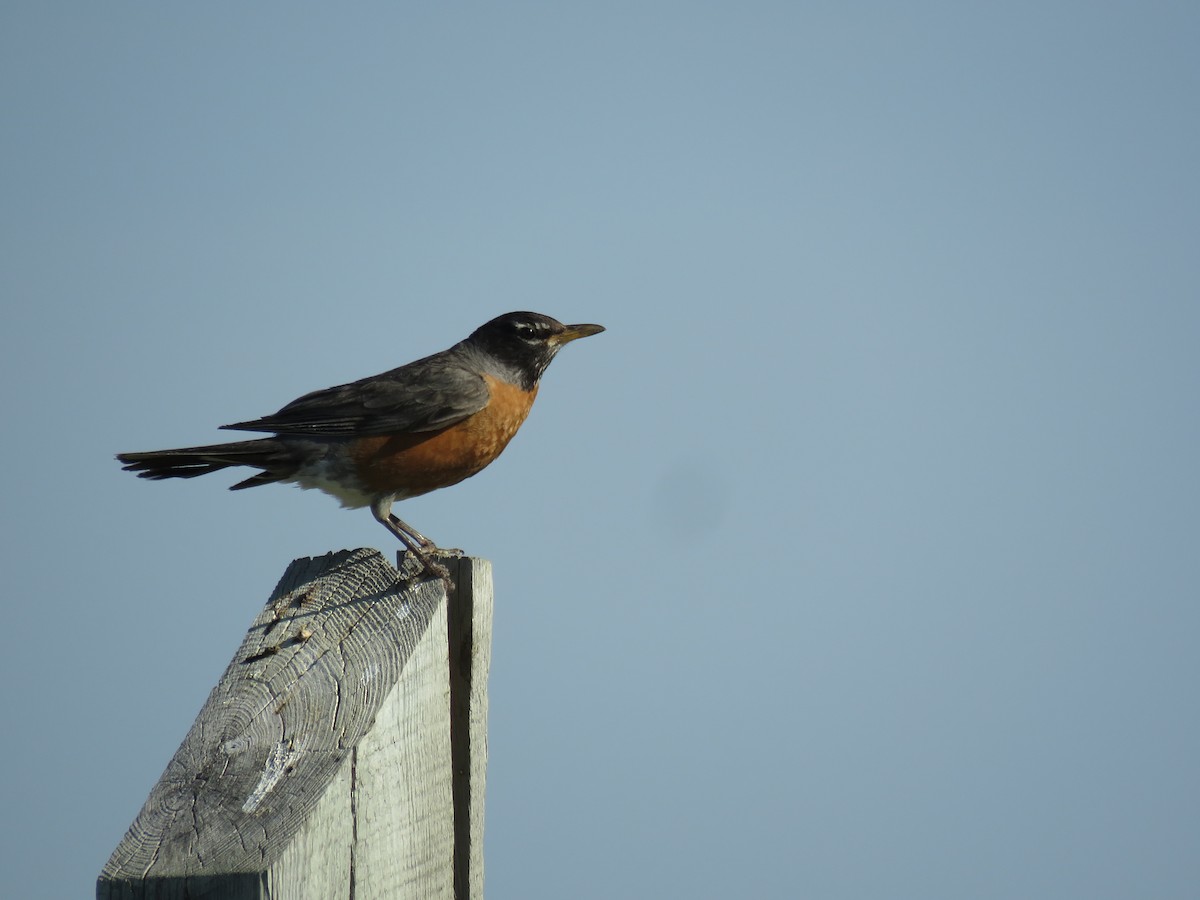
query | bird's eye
[527, 331]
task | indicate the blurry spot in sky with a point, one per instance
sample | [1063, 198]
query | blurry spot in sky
[690, 499]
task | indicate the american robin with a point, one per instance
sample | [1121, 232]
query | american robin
[423, 426]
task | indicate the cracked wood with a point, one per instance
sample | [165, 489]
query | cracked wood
[321, 763]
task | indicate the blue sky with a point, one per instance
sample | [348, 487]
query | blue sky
[857, 559]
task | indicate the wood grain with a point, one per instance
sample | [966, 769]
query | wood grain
[320, 766]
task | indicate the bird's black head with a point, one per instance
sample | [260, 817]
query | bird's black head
[525, 342]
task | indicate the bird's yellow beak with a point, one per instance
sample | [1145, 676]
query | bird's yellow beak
[574, 332]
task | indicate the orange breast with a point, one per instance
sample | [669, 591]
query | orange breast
[412, 464]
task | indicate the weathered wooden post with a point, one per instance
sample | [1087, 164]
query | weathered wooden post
[342, 754]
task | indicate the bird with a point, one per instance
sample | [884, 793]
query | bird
[423, 426]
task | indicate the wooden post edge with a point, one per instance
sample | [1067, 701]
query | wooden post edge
[342, 753]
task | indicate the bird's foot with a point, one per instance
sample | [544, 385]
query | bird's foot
[423, 564]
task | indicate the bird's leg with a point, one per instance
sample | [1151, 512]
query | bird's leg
[414, 541]
[397, 522]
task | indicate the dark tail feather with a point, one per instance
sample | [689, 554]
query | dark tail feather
[267, 454]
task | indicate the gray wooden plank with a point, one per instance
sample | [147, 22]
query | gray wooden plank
[278, 730]
[470, 634]
[403, 794]
[318, 861]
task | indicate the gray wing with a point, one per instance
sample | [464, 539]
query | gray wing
[425, 395]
